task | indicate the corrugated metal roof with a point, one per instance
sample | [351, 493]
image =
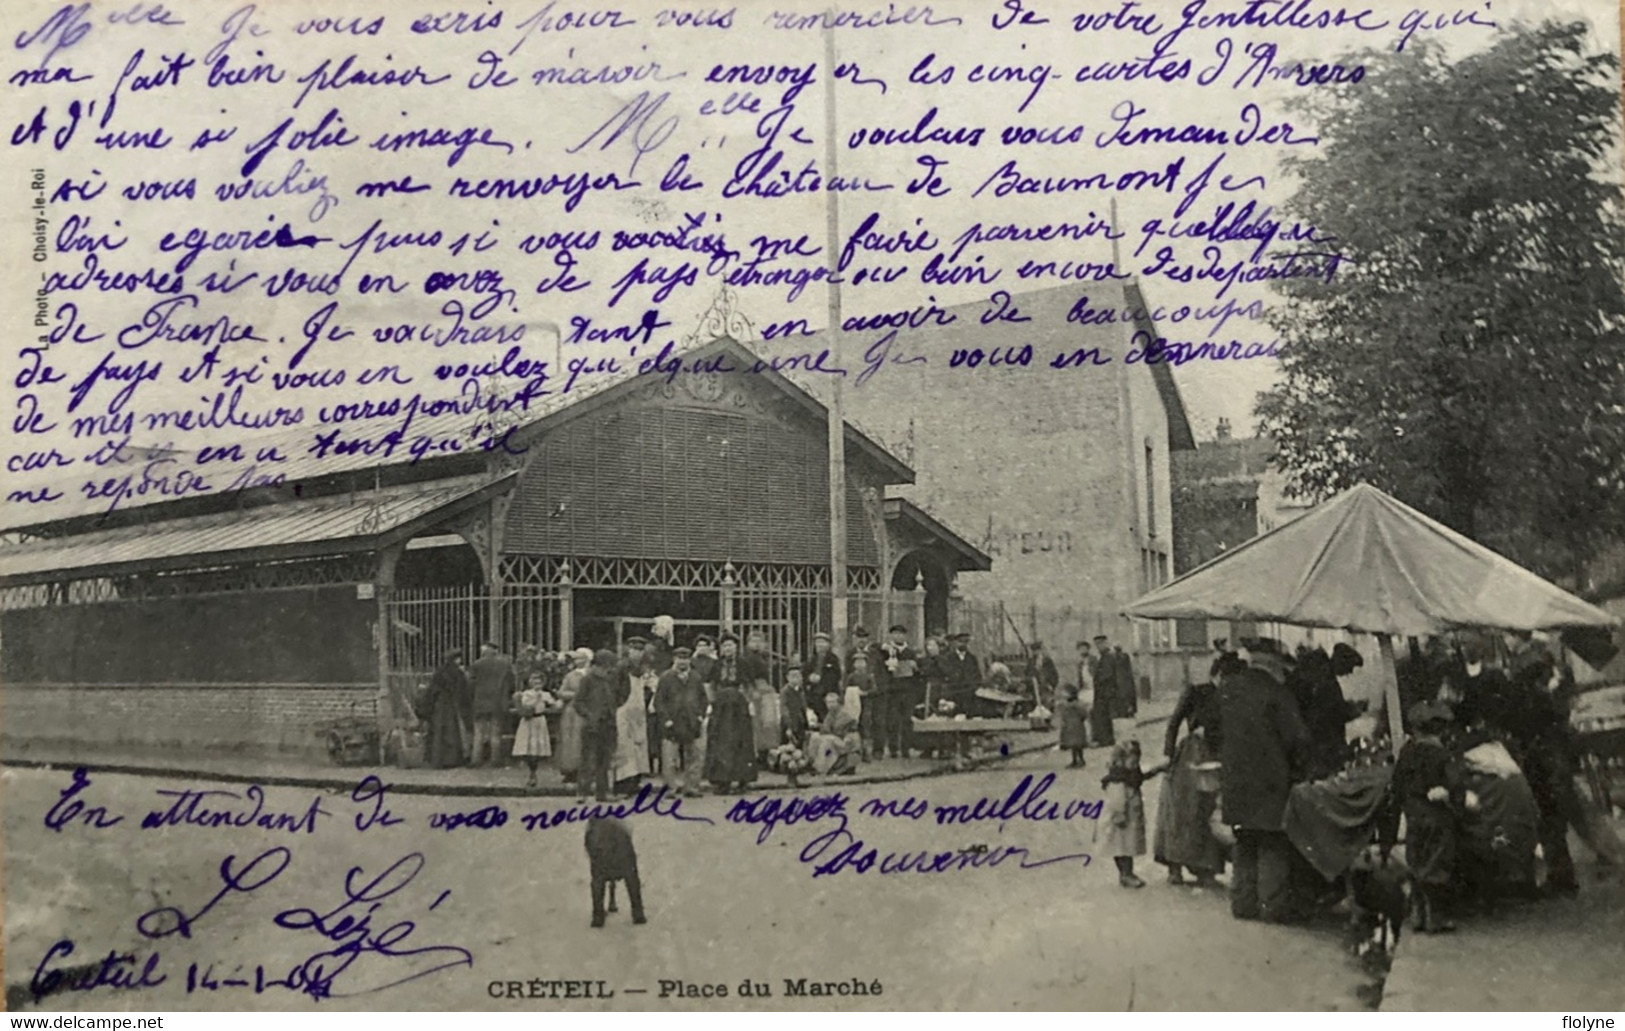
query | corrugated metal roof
[354, 518]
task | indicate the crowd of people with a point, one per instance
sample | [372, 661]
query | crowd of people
[1482, 725]
[1486, 772]
[715, 713]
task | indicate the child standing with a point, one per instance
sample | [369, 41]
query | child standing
[1426, 787]
[530, 740]
[793, 708]
[1071, 715]
[1123, 815]
[860, 684]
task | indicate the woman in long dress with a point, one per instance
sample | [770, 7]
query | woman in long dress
[447, 735]
[569, 757]
[1183, 839]
[730, 754]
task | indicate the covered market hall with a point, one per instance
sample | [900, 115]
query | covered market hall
[250, 619]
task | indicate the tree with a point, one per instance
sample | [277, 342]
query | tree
[1470, 356]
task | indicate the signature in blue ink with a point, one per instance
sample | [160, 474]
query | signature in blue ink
[166, 921]
[379, 958]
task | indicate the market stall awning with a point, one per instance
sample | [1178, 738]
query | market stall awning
[333, 525]
[1364, 562]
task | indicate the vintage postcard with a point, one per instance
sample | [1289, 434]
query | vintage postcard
[573, 505]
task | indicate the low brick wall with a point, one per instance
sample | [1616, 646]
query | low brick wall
[236, 718]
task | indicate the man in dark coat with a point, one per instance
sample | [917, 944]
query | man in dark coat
[596, 701]
[1488, 697]
[821, 672]
[1046, 677]
[494, 685]
[961, 674]
[1101, 670]
[679, 708]
[1326, 712]
[612, 857]
[1263, 751]
[860, 643]
[1124, 688]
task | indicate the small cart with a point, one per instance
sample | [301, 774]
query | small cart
[353, 740]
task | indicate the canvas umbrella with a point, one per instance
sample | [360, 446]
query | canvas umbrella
[1367, 563]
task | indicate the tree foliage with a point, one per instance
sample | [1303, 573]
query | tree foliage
[1470, 357]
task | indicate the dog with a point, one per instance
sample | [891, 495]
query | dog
[612, 857]
[1379, 892]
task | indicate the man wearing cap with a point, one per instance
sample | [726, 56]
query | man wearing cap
[961, 674]
[679, 707]
[494, 685]
[657, 659]
[596, 703]
[705, 659]
[1326, 712]
[1101, 675]
[898, 690]
[860, 643]
[636, 684]
[822, 672]
[1263, 753]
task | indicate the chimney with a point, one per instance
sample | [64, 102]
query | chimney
[1222, 430]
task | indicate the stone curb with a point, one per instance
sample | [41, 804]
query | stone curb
[1402, 984]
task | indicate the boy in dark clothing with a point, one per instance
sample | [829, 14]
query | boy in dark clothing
[1426, 787]
[869, 716]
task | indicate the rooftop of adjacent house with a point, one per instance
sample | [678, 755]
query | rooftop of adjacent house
[1225, 458]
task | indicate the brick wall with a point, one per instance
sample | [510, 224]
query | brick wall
[214, 719]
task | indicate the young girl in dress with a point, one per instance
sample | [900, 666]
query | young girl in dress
[530, 740]
[1121, 827]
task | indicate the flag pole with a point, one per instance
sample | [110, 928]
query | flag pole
[836, 410]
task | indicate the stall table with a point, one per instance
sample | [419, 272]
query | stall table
[958, 735]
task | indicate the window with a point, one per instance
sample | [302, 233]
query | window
[1150, 491]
